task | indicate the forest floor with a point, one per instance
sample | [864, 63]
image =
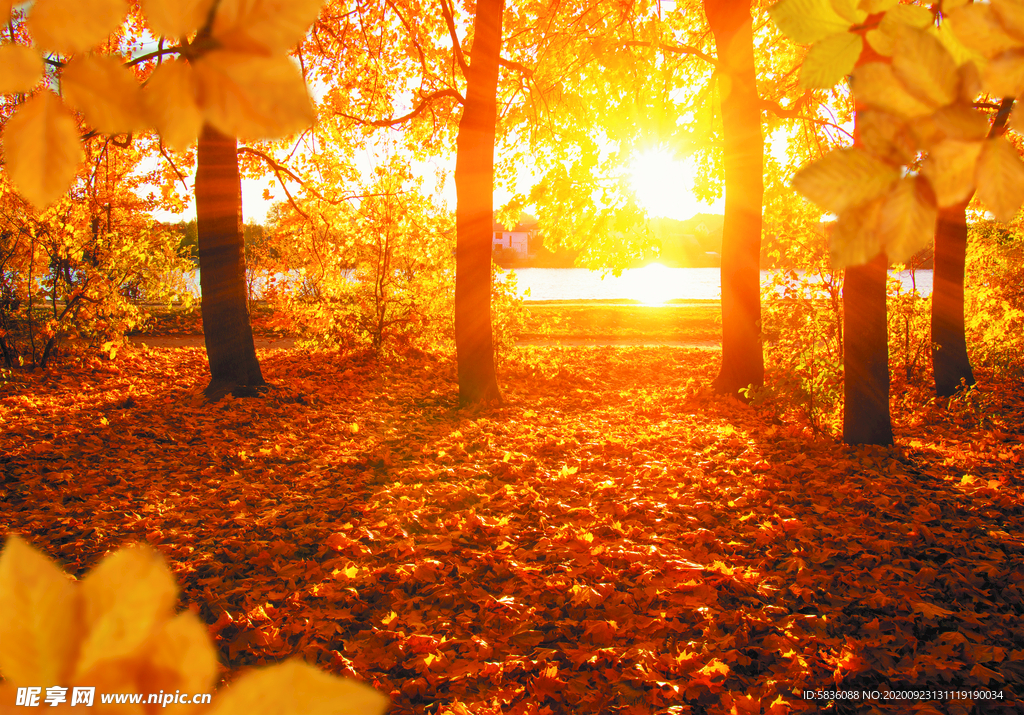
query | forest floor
[615, 538]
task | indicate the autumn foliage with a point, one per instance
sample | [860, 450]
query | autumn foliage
[615, 539]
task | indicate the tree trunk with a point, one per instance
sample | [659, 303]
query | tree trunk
[474, 188]
[229, 342]
[866, 355]
[949, 345]
[743, 151]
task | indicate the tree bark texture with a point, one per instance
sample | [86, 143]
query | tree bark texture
[866, 355]
[743, 158]
[474, 188]
[949, 344]
[229, 341]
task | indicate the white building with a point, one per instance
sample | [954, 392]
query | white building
[516, 239]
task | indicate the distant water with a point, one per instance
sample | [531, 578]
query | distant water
[651, 284]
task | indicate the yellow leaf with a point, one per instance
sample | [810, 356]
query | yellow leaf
[906, 16]
[5, 10]
[69, 26]
[105, 91]
[924, 66]
[21, 68]
[830, 60]
[170, 101]
[176, 18]
[961, 121]
[181, 657]
[42, 149]
[844, 178]
[1000, 179]
[252, 97]
[875, 84]
[1011, 16]
[885, 136]
[125, 598]
[1017, 118]
[978, 28]
[855, 239]
[39, 627]
[294, 688]
[263, 26]
[807, 21]
[906, 222]
[961, 53]
[1004, 75]
[949, 168]
[880, 42]
[873, 6]
[848, 10]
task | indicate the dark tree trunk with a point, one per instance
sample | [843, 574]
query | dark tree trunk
[866, 355]
[743, 151]
[474, 188]
[229, 342]
[949, 345]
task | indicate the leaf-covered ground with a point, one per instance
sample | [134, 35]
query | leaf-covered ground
[615, 539]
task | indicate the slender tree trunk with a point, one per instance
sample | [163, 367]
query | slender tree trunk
[866, 355]
[474, 188]
[949, 345]
[743, 152]
[229, 342]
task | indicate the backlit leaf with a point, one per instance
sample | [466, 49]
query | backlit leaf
[5, 9]
[39, 623]
[961, 121]
[830, 60]
[181, 654]
[906, 221]
[170, 101]
[42, 149]
[844, 178]
[250, 97]
[807, 21]
[1000, 178]
[855, 239]
[69, 26]
[125, 597]
[1011, 16]
[21, 68]
[978, 28]
[105, 91]
[950, 168]
[885, 136]
[924, 66]
[876, 85]
[848, 10]
[267, 26]
[1004, 75]
[176, 18]
[294, 688]
[873, 6]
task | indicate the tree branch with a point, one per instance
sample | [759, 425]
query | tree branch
[449, 19]
[999, 123]
[424, 103]
[792, 113]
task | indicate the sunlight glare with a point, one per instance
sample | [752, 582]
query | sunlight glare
[664, 185]
[653, 284]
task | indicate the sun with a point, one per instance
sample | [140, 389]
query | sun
[664, 185]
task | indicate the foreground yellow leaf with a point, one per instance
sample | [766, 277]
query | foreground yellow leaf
[876, 85]
[176, 18]
[807, 21]
[294, 688]
[263, 26]
[906, 221]
[252, 97]
[1000, 179]
[924, 66]
[845, 178]
[40, 617]
[42, 149]
[949, 168]
[106, 92]
[855, 239]
[830, 59]
[170, 101]
[21, 68]
[69, 26]
[125, 598]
